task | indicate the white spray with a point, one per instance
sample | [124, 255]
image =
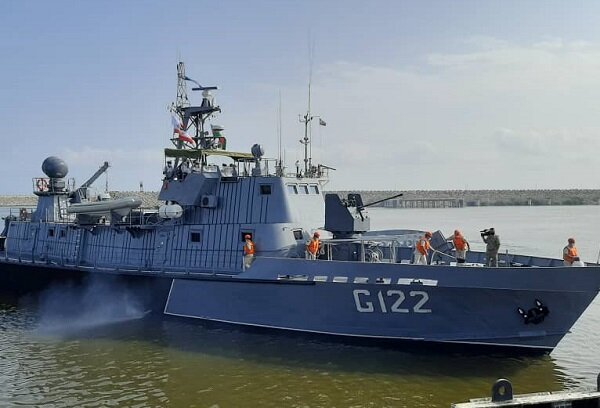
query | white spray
[95, 302]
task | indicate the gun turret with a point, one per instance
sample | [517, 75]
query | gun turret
[342, 217]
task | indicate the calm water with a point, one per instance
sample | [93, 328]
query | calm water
[147, 362]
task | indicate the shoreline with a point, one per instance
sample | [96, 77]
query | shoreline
[468, 198]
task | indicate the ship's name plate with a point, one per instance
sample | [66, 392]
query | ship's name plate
[391, 301]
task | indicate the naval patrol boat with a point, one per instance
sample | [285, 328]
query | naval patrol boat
[185, 258]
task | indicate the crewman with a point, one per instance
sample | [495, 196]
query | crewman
[492, 246]
[461, 246]
[249, 250]
[168, 170]
[422, 248]
[312, 246]
[186, 169]
[570, 254]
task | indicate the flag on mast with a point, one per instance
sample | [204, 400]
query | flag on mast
[322, 122]
[178, 128]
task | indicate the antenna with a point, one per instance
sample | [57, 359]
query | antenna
[309, 170]
[308, 118]
[311, 53]
[279, 143]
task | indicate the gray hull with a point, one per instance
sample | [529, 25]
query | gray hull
[442, 311]
[368, 301]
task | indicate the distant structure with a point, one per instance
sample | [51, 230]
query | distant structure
[424, 203]
[482, 198]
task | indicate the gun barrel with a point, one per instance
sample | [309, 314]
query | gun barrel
[381, 201]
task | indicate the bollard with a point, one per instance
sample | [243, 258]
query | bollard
[502, 390]
[502, 396]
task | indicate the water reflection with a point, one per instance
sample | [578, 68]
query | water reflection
[172, 362]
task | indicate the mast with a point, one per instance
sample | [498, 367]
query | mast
[306, 120]
[182, 98]
[279, 141]
[193, 116]
[181, 102]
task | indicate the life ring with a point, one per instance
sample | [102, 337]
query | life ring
[374, 255]
[42, 184]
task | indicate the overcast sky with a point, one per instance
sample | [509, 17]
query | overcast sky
[416, 95]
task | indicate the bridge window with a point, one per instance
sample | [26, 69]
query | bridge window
[297, 234]
[265, 189]
[292, 189]
[314, 189]
[303, 189]
[195, 236]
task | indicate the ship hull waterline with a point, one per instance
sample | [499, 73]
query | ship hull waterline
[379, 312]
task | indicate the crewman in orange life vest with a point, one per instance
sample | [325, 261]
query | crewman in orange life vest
[248, 251]
[312, 247]
[570, 254]
[422, 248]
[461, 246]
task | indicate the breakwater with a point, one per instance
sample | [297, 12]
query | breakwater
[473, 198]
[149, 199]
[411, 198]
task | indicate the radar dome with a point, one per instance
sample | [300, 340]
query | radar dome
[257, 151]
[54, 167]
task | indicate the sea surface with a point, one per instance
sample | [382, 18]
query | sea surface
[126, 359]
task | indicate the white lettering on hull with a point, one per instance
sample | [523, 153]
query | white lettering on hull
[365, 302]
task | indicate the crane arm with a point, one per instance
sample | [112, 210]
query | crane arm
[95, 176]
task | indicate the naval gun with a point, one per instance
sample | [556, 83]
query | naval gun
[360, 207]
[81, 193]
[347, 217]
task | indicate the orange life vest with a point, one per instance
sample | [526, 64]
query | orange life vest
[460, 243]
[313, 246]
[570, 255]
[249, 248]
[423, 246]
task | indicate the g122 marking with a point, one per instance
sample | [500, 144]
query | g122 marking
[365, 303]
